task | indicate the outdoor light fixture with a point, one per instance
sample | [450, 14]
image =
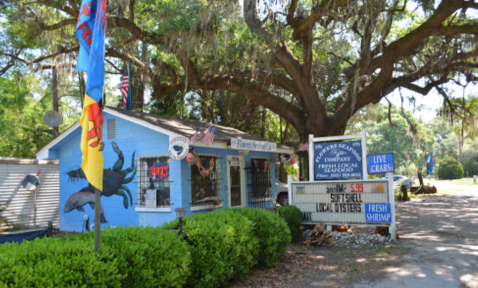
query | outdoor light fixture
[180, 214]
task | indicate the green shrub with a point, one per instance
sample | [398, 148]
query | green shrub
[138, 249]
[293, 217]
[221, 245]
[450, 168]
[216, 247]
[53, 262]
[272, 233]
[471, 168]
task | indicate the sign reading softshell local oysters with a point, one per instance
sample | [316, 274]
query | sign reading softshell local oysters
[344, 202]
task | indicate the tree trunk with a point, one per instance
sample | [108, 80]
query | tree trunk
[263, 128]
[54, 88]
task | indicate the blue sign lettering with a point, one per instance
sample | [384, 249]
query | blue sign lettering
[382, 163]
[338, 160]
[378, 213]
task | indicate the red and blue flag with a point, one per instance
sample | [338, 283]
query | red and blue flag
[430, 164]
[90, 31]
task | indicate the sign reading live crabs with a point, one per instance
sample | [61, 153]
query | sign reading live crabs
[338, 160]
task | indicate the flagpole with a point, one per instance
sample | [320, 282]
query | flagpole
[130, 105]
[97, 220]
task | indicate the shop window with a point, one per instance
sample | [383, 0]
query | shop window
[205, 189]
[259, 181]
[153, 181]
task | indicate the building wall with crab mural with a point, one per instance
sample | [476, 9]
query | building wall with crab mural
[118, 208]
[128, 146]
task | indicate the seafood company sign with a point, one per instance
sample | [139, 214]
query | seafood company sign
[243, 144]
[338, 160]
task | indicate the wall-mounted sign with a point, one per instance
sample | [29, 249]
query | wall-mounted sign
[344, 202]
[150, 200]
[338, 160]
[178, 148]
[158, 171]
[378, 213]
[382, 163]
[243, 144]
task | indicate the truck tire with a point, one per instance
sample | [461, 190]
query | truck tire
[283, 199]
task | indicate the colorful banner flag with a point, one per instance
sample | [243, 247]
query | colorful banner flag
[124, 88]
[90, 31]
[193, 137]
[430, 164]
[208, 137]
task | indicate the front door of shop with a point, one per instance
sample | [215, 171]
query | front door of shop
[236, 181]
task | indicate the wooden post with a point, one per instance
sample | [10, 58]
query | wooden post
[97, 219]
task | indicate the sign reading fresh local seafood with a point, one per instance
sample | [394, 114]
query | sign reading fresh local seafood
[243, 144]
[343, 202]
[178, 148]
[338, 160]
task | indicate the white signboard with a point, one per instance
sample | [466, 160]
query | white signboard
[344, 202]
[178, 148]
[243, 144]
[150, 200]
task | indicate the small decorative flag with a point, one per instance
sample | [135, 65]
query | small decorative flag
[209, 135]
[430, 164]
[191, 140]
[124, 88]
[304, 147]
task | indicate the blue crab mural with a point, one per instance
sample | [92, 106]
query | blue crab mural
[114, 183]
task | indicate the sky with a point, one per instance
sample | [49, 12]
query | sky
[433, 101]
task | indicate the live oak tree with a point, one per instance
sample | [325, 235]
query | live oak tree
[314, 63]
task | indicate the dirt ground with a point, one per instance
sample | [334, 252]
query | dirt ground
[438, 247]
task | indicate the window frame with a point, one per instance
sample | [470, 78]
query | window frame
[217, 171]
[142, 185]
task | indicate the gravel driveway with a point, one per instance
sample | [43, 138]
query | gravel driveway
[438, 247]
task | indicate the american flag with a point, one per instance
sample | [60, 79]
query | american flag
[124, 88]
[192, 138]
[304, 147]
[209, 135]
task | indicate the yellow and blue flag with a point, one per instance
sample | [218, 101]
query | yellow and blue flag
[90, 31]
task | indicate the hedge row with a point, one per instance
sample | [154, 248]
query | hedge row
[216, 247]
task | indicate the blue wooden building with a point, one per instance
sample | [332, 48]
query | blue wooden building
[145, 184]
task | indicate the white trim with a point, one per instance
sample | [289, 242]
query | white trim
[205, 207]
[152, 210]
[284, 150]
[58, 139]
[311, 157]
[333, 138]
[391, 200]
[217, 144]
[364, 155]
